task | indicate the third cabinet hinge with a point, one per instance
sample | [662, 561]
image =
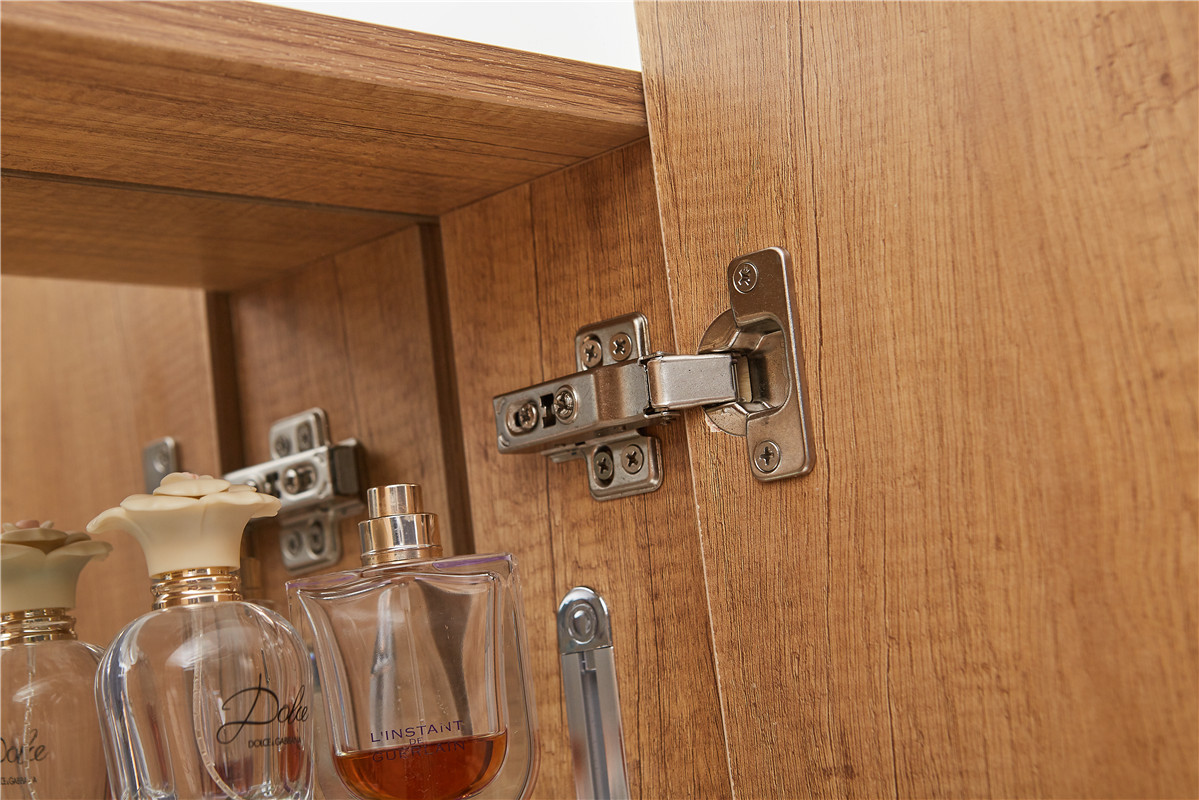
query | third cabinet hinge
[747, 376]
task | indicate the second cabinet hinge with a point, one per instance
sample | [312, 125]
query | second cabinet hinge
[317, 482]
[747, 376]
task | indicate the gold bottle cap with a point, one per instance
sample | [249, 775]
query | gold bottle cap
[397, 529]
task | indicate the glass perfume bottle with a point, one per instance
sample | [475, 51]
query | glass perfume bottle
[50, 742]
[206, 696]
[422, 663]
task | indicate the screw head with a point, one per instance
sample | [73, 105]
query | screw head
[282, 445]
[591, 350]
[316, 539]
[602, 462]
[583, 623]
[632, 459]
[766, 457]
[621, 346]
[566, 404]
[746, 278]
[523, 418]
[294, 542]
[161, 462]
[304, 436]
[298, 479]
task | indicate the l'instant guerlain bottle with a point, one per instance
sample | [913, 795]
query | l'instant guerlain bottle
[206, 696]
[422, 663]
[50, 743]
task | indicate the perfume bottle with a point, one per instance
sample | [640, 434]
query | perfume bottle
[49, 737]
[206, 696]
[422, 663]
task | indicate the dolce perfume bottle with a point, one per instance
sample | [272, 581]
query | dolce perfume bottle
[49, 735]
[206, 696]
[422, 663]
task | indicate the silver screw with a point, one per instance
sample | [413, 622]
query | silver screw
[523, 418]
[593, 351]
[316, 539]
[766, 459]
[298, 479]
[602, 461]
[162, 462]
[565, 404]
[632, 459]
[282, 445]
[746, 278]
[620, 346]
[583, 623]
[304, 436]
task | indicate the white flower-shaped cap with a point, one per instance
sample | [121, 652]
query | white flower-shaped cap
[39, 566]
[190, 522]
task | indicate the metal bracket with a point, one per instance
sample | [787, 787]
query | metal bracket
[748, 377]
[159, 459]
[317, 483]
[591, 694]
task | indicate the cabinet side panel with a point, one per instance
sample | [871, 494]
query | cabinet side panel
[350, 335]
[987, 586]
[525, 269]
[91, 372]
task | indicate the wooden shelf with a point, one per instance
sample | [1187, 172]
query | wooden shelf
[255, 102]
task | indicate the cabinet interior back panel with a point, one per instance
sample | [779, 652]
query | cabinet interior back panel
[90, 373]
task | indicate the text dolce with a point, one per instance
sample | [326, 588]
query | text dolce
[265, 708]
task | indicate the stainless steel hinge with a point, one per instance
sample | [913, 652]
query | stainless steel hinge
[317, 482]
[747, 376]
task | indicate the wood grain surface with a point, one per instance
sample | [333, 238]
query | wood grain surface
[91, 372]
[987, 587]
[114, 232]
[524, 270]
[259, 101]
[351, 335]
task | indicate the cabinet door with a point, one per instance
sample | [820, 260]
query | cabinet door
[987, 585]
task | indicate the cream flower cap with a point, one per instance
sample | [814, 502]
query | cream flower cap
[39, 566]
[190, 522]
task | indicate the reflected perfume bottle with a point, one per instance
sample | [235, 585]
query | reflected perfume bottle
[422, 663]
[206, 696]
[50, 742]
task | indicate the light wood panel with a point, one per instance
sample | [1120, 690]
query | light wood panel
[114, 232]
[91, 372]
[254, 100]
[524, 270]
[987, 586]
[351, 335]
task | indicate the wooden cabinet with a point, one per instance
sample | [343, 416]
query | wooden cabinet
[215, 215]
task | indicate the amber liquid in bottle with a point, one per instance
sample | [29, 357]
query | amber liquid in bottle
[445, 770]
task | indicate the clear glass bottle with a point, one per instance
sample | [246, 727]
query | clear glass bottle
[423, 663]
[206, 696]
[50, 743]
